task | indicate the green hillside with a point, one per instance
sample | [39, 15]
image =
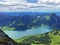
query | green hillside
[49, 38]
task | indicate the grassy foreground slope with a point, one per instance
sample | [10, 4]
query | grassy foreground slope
[49, 38]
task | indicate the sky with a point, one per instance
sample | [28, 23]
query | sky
[29, 5]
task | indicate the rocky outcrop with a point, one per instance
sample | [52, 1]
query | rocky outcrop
[5, 40]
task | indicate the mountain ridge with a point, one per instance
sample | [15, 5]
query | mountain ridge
[25, 22]
[5, 39]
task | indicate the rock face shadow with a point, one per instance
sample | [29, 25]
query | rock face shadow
[5, 40]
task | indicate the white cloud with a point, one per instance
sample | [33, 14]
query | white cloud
[22, 5]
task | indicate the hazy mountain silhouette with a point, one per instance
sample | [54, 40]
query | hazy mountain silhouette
[27, 21]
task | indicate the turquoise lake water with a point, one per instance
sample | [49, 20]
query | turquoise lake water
[19, 34]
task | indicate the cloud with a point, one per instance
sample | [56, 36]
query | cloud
[24, 5]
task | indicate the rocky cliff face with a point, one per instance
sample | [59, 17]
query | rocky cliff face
[5, 40]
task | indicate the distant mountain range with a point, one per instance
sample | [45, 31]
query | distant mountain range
[24, 22]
